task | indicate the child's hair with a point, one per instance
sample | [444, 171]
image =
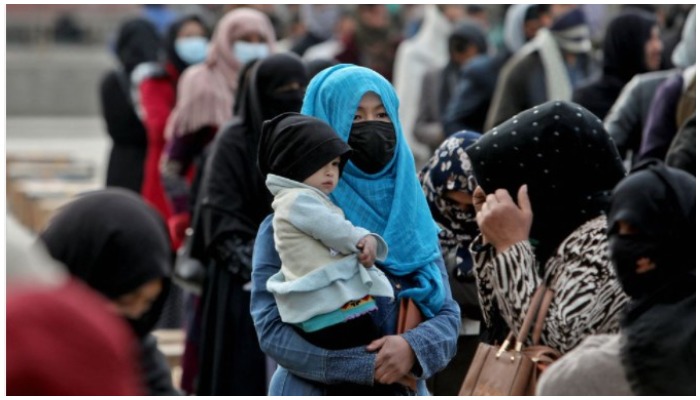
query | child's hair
[295, 146]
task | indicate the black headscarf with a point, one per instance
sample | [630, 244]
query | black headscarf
[564, 155]
[114, 242]
[659, 201]
[623, 58]
[658, 352]
[171, 36]
[137, 42]
[625, 40]
[261, 101]
[295, 146]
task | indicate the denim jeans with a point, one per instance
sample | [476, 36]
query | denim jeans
[306, 370]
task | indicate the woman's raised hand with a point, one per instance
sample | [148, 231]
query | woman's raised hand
[502, 222]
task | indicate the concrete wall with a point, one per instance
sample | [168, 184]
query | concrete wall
[55, 80]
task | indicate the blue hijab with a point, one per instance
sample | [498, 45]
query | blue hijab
[391, 201]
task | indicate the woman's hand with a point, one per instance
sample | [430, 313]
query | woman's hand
[394, 359]
[502, 222]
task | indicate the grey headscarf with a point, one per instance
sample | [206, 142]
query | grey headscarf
[513, 30]
[684, 53]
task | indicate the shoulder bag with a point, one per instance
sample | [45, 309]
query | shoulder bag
[512, 371]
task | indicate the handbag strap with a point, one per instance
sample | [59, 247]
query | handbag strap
[530, 316]
[544, 308]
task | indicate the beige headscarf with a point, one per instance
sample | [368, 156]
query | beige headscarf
[206, 91]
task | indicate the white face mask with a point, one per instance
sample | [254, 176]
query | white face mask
[193, 49]
[246, 51]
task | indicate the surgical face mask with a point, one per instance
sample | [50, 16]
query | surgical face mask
[246, 51]
[192, 49]
[373, 144]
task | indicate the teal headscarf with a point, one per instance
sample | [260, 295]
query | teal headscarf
[390, 202]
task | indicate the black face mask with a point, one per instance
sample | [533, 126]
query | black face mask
[625, 251]
[373, 144]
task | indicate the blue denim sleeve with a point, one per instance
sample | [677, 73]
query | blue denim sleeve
[435, 341]
[281, 342]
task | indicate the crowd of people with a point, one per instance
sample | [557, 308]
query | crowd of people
[326, 165]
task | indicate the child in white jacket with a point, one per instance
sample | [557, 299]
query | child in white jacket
[327, 281]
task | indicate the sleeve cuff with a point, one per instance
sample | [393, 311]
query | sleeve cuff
[382, 247]
[357, 368]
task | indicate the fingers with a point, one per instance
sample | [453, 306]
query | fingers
[524, 199]
[376, 344]
[502, 196]
[366, 261]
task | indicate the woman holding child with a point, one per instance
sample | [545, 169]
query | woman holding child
[378, 191]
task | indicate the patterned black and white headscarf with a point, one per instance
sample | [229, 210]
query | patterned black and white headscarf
[449, 169]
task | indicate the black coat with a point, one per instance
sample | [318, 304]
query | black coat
[233, 200]
[125, 168]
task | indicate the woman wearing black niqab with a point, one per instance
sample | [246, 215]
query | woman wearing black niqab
[232, 202]
[118, 245]
[652, 243]
[651, 231]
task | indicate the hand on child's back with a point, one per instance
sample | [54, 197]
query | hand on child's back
[368, 250]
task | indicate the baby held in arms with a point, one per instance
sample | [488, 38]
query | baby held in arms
[327, 281]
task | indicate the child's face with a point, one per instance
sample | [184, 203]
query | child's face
[326, 178]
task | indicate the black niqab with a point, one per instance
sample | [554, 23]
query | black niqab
[658, 201]
[267, 100]
[564, 155]
[659, 327]
[114, 242]
[137, 42]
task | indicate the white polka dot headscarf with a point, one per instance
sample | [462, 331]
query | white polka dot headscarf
[565, 156]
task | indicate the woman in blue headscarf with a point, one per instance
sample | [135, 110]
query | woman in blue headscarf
[379, 191]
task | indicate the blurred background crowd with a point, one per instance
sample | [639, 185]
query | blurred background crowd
[131, 95]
